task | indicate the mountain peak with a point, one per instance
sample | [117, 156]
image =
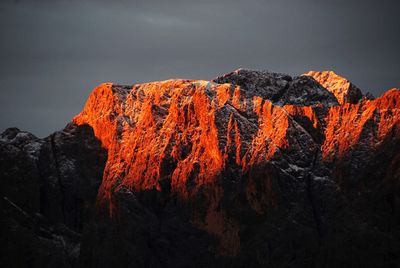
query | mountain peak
[280, 88]
[343, 89]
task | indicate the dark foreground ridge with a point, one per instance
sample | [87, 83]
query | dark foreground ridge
[254, 169]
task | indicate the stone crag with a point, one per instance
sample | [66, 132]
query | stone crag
[251, 169]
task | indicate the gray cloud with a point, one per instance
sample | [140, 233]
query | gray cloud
[54, 52]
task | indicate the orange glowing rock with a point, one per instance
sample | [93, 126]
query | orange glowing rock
[174, 121]
[343, 90]
[188, 131]
[347, 123]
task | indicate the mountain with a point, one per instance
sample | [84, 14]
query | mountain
[253, 168]
[343, 89]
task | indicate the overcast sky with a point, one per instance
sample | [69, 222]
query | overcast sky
[53, 52]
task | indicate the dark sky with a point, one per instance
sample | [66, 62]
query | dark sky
[54, 52]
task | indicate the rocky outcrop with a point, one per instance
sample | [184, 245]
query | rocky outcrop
[252, 168]
[344, 91]
[280, 89]
[48, 192]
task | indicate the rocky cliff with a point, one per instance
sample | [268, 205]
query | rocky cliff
[251, 169]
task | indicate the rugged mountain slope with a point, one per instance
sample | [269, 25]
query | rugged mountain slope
[252, 168]
[48, 192]
[343, 89]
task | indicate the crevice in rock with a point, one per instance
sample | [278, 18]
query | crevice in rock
[310, 196]
[57, 169]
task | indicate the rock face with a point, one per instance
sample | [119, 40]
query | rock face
[280, 89]
[251, 169]
[344, 91]
[48, 192]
